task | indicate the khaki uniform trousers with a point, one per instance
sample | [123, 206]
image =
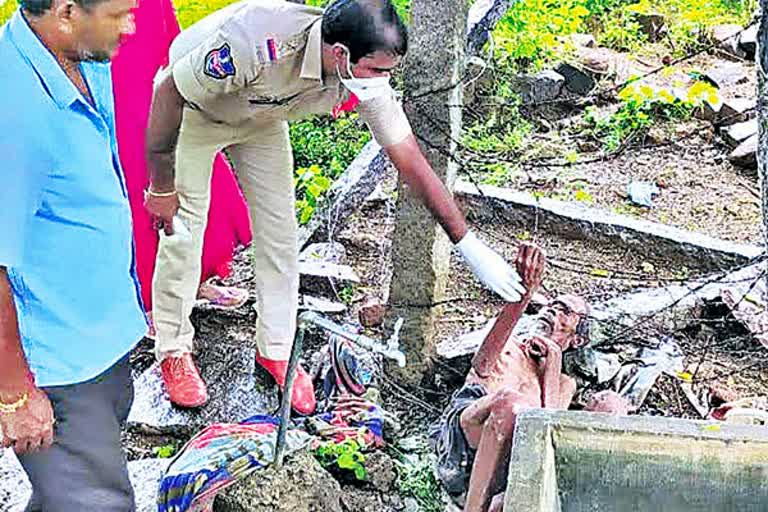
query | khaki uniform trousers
[263, 162]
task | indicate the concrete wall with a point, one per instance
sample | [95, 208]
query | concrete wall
[579, 462]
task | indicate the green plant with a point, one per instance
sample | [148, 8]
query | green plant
[345, 456]
[322, 148]
[165, 451]
[531, 33]
[689, 21]
[347, 294]
[6, 9]
[403, 6]
[417, 480]
[190, 11]
[310, 184]
[641, 106]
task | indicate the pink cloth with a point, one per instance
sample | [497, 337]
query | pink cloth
[133, 70]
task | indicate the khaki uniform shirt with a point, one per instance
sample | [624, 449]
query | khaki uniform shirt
[262, 59]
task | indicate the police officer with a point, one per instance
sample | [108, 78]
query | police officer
[234, 81]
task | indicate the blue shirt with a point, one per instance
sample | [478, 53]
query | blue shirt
[65, 222]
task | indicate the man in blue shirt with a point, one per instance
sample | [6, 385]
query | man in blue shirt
[69, 301]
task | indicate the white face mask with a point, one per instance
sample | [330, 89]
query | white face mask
[365, 89]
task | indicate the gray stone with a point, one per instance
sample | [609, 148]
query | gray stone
[578, 221]
[15, 489]
[382, 473]
[543, 87]
[145, 477]
[737, 133]
[737, 110]
[727, 74]
[584, 40]
[578, 461]
[653, 25]
[709, 111]
[302, 485]
[348, 192]
[420, 248]
[748, 41]
[577, 80]
[330, 252]
[238, 390]
[728, 39]
[745, 155]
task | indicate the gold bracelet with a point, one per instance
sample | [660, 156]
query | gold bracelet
[15, 406]
[160, 194]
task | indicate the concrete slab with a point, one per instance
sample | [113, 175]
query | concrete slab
[582, 222]
[577, 462]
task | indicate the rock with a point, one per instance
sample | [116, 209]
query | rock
[329, 252]
[731, 73]
[737, 133]
[728, 40]
[748, 42]
[15, 489]
[325, 269]
[237, 389]
[540, 88]
[583, 40]
[302, 485]
[709, 111]
[145, 476]
[576, 80]
[362, 501]
[737, 110]
[653, 25]
[382, 473]
[745, 155]
[372, 312]
[310, 303]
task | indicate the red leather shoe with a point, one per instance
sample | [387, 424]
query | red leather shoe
[303, 399]
[182, 381]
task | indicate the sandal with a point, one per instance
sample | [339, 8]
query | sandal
[224, 297]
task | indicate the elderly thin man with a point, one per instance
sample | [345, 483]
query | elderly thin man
[474, 436]
[236, 78]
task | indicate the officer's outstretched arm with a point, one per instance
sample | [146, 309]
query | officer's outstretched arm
[418, 174]
[488, 266]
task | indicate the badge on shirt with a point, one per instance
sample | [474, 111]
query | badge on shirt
[219, 63]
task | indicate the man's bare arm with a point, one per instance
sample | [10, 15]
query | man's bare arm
[15, 380]
[407, 157]
[28, 426]
[530, 265]
[163, 134]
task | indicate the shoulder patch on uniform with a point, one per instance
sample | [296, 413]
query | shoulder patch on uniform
[219, 63]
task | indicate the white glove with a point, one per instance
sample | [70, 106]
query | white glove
[492, 270]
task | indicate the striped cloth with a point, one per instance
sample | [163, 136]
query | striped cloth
[219, 456]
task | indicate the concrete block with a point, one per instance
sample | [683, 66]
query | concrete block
[737, 110]
[737, 133]
[582, 222]
[745, 154]
[579, 462]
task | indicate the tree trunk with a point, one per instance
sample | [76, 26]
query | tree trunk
[761, 61]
